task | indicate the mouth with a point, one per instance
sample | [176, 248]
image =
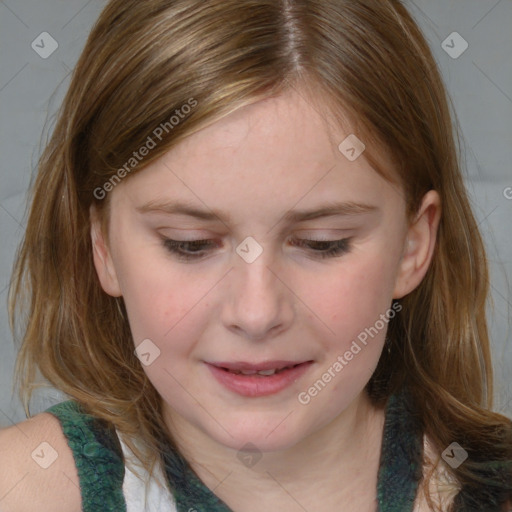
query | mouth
[263, 370]
[259, 379]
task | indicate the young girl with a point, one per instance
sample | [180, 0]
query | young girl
[251, 265]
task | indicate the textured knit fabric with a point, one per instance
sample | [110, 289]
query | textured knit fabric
[97, 455]
[108, 486]
[401, 457]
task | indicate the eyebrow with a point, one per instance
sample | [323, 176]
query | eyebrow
[330, 209]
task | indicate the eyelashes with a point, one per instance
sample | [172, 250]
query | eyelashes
[187, 250]
[326, 248]
[190, 250]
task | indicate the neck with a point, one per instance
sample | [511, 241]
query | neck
[340, 461]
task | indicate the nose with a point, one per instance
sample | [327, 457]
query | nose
[258, 304]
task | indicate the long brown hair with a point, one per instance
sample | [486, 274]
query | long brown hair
[142, 62]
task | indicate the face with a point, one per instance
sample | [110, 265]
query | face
[271, 284]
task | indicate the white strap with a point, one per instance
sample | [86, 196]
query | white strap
[139, 496]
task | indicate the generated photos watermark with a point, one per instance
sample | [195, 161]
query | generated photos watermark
[150, 144]
[305, 397]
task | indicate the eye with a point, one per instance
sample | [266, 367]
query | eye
[325, 248]
[187, 250]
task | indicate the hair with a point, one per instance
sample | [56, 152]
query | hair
[370, 64]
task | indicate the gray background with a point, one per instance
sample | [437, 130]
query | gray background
[479, 82]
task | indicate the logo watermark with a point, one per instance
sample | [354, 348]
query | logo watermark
[45, 455]
[352, 147]
[454, 455]
[249, 455]
[455, 45]
[147, 352]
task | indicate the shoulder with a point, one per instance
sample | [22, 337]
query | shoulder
[37, 468]
[443, 487]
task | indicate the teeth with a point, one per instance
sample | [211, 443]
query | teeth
[260, 372]
[267, 372]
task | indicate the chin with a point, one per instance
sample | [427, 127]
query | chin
[267, 435]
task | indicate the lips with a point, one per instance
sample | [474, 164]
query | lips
[263, 368]
[258, 379]
[264, 373]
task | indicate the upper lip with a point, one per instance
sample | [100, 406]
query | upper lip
[264, 365]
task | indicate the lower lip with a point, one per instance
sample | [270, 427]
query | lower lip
[259, 385]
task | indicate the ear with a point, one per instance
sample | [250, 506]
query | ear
[419, 245]
[102, 257]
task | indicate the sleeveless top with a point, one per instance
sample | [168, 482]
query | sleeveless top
[108, 485]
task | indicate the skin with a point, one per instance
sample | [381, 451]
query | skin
[255, 165]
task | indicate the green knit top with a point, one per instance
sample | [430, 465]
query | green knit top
[100, 465]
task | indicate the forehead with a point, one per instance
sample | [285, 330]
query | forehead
[286, 148]
[289, 126]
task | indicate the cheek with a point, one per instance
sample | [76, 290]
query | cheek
[355, 303]
[166, 308]
[160, 299]
[352, 297]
